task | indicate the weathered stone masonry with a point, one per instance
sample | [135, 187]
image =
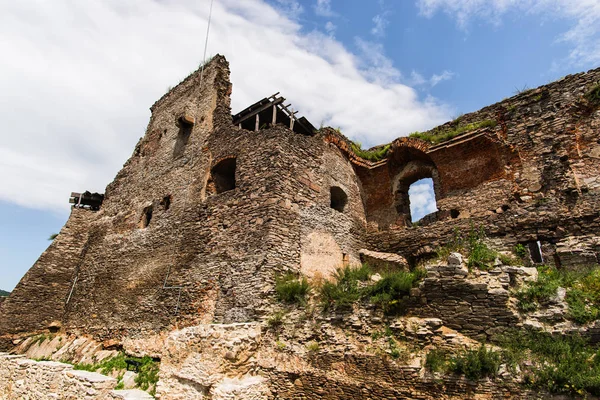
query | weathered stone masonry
[204, 214]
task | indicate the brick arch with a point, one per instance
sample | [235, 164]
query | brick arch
[408, 163]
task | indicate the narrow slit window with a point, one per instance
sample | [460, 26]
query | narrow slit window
[185, 131]
[146, 217]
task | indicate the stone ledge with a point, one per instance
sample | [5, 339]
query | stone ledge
[130, 394]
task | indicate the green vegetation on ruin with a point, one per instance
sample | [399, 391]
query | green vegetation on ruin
[444, 136]
[557, 363]
[4, 293]
[291, 289]
[473, 245]
[373, 155]
[473, 363]
[350, 285]
[582, 292]
[147, 370]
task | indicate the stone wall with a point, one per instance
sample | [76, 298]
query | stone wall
[170, 248]
[22, 378]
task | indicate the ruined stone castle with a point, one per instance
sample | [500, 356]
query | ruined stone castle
[211, 208]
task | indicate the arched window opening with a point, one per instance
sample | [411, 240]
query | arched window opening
[146, 217]
[223, 175]
[339, 198]
[421, 198]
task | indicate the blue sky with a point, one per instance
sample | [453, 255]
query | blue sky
[78, 78]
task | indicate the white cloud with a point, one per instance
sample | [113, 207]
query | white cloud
[584, 16]
[323, 8]
[291, 8]
[380, 22]
[416, 79]
[444, 76]
[77, 80]
[330, 28]
[422, 198]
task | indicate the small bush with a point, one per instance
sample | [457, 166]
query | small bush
[583, 297]
[436, 360]
[480, 255]
[583, 292]
[521, 251]
[559, 364]
[276, 320]
[312, 346]
[476, 364]
[345, 290]
[147, 374]
[393, 286]
[292, 290]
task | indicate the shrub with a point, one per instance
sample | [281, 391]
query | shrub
[480, 255]
[476, 364]
[105, 367]
[583, 297]
[292, 290]
[276, 320]
[147, 374]
[393, 286]
[345, 289]
[520, 250]
[583, 292]
[436, 360]
[560, 364]
[312, 346]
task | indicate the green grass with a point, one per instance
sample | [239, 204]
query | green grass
[436, 360]
[388, 293]
[4, 293]
[559, 364]
[473, 244]
[292, 290]
[105, 367]
[147, 374]
[474, 364]
[370, 155]
[436, 138]
[520, 250]
[276, 320]
[582, 297]
[344, 290]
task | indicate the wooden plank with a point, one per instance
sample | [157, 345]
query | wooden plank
[257, 122]
[274, 115]
[257, 110]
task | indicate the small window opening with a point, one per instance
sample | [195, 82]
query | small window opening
[339, 199]
[146, 217]
[535, 250]
[185, 130]
[223, 175]
[166, 202]
[421, 198]
[454, 213]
